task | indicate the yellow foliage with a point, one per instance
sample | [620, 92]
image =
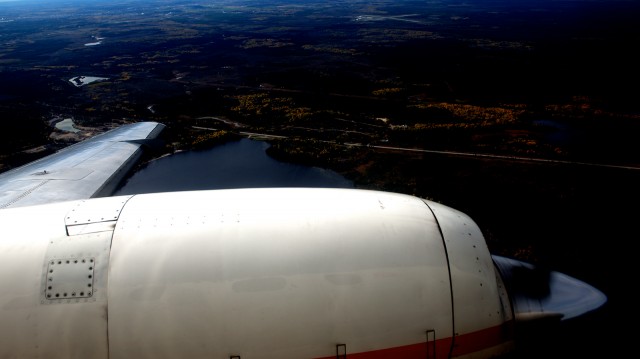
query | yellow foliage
[261, 104]
[387, 91]
[251, 104]
[483, 115]
[298, 113]
[209, 138]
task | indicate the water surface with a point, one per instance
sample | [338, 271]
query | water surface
[238, 164]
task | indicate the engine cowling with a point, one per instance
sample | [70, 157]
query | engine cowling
[252, 273]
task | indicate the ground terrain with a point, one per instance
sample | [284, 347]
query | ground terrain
[548, 82]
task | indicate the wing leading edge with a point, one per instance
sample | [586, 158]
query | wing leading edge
[90, 168]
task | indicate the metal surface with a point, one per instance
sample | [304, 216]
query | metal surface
[245, 271]
[472, 272]
[69, 278]
[472, 276]
[87, 169]
[538, 293]
[96, 215]
[33, 325]
[259, 273]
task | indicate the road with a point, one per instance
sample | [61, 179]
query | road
[267, 136]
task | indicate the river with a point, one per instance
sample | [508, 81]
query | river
[237, 164]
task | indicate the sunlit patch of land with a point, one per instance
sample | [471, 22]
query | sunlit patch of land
[67, 125]
[98, 41]
[80, 81]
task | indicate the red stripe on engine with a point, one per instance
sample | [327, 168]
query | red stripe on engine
[404, 352]
[482, 339]
[464, 344]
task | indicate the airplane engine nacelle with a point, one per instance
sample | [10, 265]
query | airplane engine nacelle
[252, 273]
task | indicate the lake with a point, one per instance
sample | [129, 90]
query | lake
[238, 164]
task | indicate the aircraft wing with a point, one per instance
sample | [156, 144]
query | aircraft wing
[91, 168]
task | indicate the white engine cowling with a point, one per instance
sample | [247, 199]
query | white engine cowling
[249, 273]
